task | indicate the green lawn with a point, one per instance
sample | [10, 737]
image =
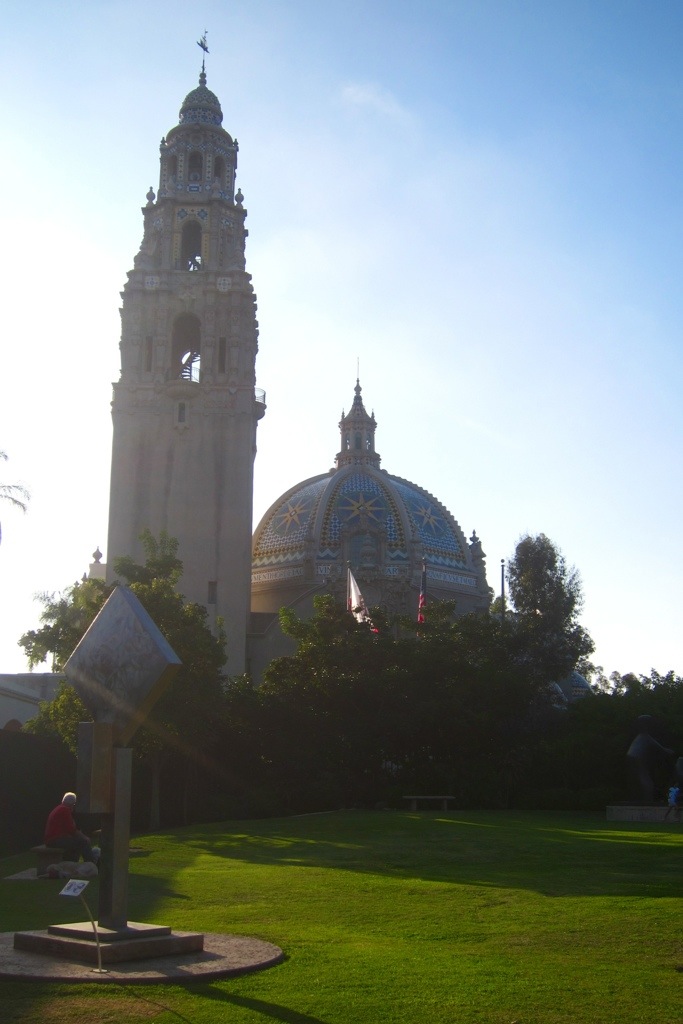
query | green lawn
[388, 917]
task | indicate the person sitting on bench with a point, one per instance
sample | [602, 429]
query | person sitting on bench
[61, 832]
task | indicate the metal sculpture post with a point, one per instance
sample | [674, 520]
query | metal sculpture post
[120, 668]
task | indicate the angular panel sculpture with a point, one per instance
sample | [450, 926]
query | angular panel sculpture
[120, 668]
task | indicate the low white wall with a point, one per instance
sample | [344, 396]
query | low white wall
[22, 693]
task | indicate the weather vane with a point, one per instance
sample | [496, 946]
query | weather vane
[202, 44]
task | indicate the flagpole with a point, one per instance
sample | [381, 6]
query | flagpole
[422, 602]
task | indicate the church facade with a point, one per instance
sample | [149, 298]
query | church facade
[185, 414]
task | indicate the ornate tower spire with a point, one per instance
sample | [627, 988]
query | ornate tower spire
[357, 435]
[185, 409]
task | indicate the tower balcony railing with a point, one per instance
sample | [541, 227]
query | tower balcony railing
[189, 263]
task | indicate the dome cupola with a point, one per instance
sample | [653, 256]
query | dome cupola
[357, 435]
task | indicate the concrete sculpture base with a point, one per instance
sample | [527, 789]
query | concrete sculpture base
[223, 956]
[135, 942]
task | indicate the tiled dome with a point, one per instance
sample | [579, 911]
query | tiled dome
[382, 526]
[366, 499]
[201, 106]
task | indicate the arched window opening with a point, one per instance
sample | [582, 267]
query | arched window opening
[191, 246]
[347, 443]
[173, 167]
[219, 168]
[357, 442]
[186, 355]
[195, 166]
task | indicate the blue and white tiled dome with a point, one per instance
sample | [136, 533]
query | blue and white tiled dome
[358, 515]
[201, 106]
[319, 510]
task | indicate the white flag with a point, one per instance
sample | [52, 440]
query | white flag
[354, 600]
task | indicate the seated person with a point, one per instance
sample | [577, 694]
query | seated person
[61, 832]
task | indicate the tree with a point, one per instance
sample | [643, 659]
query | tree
[186, 717]
[354, 716]
[320, 708]
[13, 494]
[65, 618]
[547, 597]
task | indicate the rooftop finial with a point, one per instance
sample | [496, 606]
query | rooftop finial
[203, 45]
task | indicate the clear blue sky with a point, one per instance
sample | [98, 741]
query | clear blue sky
[479, 199]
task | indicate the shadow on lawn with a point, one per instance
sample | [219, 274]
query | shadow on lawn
[271, 1010]
[555, 855]
[35, 904]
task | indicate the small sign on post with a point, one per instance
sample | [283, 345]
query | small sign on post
[76, 887]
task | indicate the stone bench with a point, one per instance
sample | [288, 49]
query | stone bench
[638, 812]
[443, 800]
[46, 855]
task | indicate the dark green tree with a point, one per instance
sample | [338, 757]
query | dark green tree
[186, 718]
[321, 707]
[546, 596]
[356, 716]
[65, 618]
[583, 757]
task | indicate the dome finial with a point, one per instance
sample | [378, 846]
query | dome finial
[202, 44]
[201, 106]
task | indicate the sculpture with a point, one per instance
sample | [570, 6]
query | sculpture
[648, 756]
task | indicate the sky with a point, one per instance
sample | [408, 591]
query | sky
[477, 202]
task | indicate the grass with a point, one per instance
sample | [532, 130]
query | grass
[397, 918]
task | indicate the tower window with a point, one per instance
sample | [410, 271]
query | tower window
[357, 442]
[195, 166]
[218, 168]
[186, 351]
[222, 350]
[149, 350]
[212, 592]
[173, 167]
[181, 412]
[191, 246]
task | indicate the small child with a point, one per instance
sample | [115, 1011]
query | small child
[674, 803]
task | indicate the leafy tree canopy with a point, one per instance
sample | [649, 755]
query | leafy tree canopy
[187, 709]
[547, 597]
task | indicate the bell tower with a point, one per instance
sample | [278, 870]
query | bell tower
[185, 408]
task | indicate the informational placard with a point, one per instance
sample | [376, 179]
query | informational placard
[74, 887]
